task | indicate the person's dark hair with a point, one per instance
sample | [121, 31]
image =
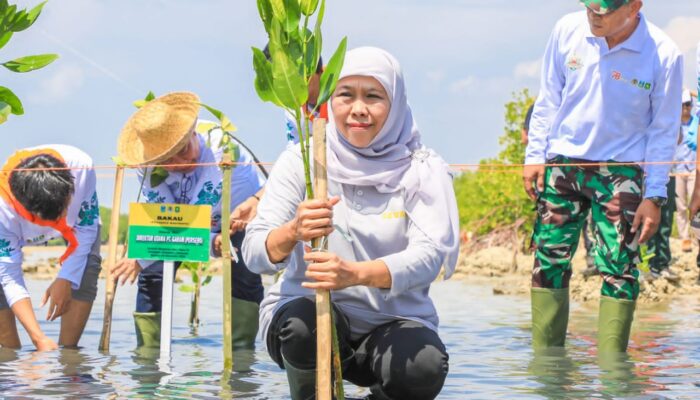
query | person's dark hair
[319, 66]
[44, 193]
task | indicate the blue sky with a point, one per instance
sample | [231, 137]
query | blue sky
[462, 60]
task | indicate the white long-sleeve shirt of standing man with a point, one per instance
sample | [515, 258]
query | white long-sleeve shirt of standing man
[600, 104]
[83, 217]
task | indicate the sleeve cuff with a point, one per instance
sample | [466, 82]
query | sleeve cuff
[400, 276]
[146, 263]
[71, 277]
[258, 261]
[656, 191]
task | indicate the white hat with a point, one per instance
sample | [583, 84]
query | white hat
[687, 97]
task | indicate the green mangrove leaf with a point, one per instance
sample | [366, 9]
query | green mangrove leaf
[206, 280]
[329, 78]
[118, 161]
[226, 124]
[265, 11]
[263, 78]
[5, 111]
[9, 15]
[9, 98]
[186, 288]
[3, 6]
[308, 7]
[294, 47]
[4, 38]
[205, 127]
[313, 52]
[30, 63]
[287, 83]
[24, 19]
[158, 176]
[319, 18]
[279, 12]
[142, 102]
[287, 13]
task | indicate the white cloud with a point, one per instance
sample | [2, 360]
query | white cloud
[435, 76]
[528, 69]
[64, 81]
[684, 31]
[462, 85]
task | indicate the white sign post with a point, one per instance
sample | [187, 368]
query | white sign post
[166, 316]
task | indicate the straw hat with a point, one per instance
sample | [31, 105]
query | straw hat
[159, 129]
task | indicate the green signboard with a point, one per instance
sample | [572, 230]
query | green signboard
[169, 232]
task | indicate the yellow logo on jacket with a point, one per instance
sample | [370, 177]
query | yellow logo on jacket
[394, 215]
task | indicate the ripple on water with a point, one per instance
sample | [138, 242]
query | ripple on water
[487, 336]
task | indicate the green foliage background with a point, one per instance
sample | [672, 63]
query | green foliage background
[106, 216]
[493, 197]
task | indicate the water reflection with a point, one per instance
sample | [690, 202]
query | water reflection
[488, 338]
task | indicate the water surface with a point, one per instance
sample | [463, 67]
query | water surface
[487, 336]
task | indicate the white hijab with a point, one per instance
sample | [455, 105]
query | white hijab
[396, 159]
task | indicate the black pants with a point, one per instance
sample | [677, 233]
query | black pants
[403, 359]
[245, 284]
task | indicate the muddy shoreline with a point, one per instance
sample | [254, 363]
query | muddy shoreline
[498, 266]
[509, 273]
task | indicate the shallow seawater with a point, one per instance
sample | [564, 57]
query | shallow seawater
[487, 336]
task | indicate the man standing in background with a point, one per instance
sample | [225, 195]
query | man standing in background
[610, 90]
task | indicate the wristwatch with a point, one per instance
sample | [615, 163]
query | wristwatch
[659, 201]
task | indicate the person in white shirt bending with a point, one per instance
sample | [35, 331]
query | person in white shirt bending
[49, 192]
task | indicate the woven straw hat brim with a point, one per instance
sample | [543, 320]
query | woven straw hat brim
[158, 130]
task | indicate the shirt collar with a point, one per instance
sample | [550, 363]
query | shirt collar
[633, 43]
[639, 37]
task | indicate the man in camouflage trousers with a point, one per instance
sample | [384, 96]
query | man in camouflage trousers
[608, 103]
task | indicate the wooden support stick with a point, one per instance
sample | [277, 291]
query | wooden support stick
[226, 256]
[111, 285]
[323, 297]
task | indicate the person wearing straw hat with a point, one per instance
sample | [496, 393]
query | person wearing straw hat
[163, 133]
[610, 93]
[48, 192]
[393, 224]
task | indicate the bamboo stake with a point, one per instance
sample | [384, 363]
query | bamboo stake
[323, 297]
[226, 256]
[111, 285]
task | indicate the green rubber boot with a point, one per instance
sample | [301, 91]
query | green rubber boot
[614, 324]
[550, 317]
[147, 329]
[244, 327]
[302, 382]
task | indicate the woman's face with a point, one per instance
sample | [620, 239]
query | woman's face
[360, 109]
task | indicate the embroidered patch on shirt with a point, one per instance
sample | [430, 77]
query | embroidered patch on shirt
[209, 194]
[5, 249]
[154, 197]
[574, 63]
[617, 75]
[394, 215]
[89, 212]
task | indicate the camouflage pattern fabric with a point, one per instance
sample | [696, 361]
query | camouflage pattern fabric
[659, 243]
[612, 193]
[589, 240]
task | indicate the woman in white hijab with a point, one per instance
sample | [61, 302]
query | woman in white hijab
[393, 223]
